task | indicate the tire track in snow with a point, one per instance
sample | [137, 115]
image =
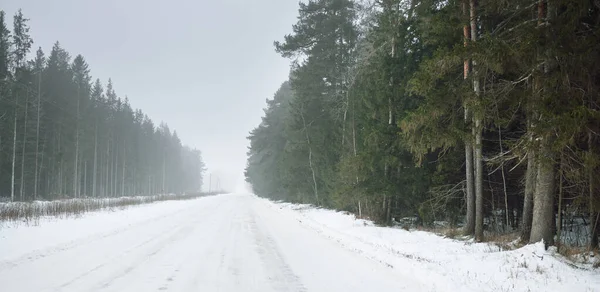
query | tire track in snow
[143, 258]
[109, 261]
[282, 278]
[170, 268]
[63, 247]
[180, 234]
[162, 240]
[175, 233]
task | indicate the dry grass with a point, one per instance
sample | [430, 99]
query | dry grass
[452, 233]
[571, 252]
[524, 264]
[33, 211]
[540, 270]
[505, 241]
[579, 254]
[448, 232]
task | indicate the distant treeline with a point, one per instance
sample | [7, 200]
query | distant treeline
[64, 136]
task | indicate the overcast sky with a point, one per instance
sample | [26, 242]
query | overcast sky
[203, 67]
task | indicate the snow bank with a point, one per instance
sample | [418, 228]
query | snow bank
[452, 265]
[31, 212]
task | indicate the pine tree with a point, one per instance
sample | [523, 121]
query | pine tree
[5, 96]
[38, 67]
[81, 79]
[21, 45]
[319, 86]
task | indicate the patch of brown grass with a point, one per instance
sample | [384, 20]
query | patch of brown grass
[447, 232]
[577, 254]
[505, 241]
[452, 233]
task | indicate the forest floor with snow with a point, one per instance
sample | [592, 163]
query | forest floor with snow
[240, 242]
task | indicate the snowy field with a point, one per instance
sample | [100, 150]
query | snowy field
[244, 243]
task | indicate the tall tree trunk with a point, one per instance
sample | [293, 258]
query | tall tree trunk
[163, 173]
[388, 213]
[383, 208]
[478, 127]
[23, 149]
[134, 181]
[354, 132]
[508, 225]
[594, 214]
[543, 198]
[123, 176]
[42, 166]
[95, 172]
[111, 173]
[346, 106]
[37, 137]
[478, 157]
[530, 177]
[76, 166]
[532, 163]
[56, 165]
[310, 162]
[107, 166]
[85, 168]
[469, 228]
[560, 199]
[14, 155]
[359, 210]
[115, 170]
[60, 164]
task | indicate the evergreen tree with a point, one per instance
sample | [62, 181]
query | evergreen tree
[325, 35]
[409, 85]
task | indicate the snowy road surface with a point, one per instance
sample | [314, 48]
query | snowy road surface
[220, 243]
[245, 243]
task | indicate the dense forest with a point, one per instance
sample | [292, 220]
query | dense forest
[63, 135]
[483, 114]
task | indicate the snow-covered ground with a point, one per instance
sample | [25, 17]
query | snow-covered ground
[244, 243]
[447, 264]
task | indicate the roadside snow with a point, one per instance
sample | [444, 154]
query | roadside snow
[240, 242]
[452, 265]
[21, 237]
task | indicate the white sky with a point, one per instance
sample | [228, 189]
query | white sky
[203, 67]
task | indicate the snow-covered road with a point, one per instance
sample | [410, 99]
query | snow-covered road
[220, 243]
